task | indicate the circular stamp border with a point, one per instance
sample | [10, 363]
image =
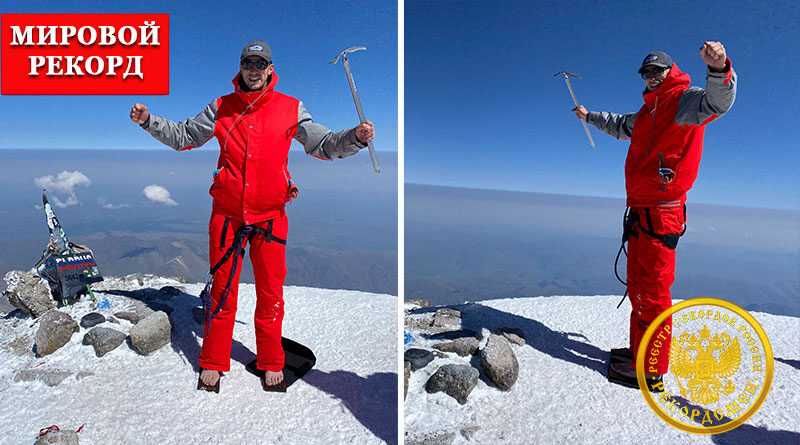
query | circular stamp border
[768, 355]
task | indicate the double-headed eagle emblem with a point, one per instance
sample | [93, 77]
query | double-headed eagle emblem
[705, 363]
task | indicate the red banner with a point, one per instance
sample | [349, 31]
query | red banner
[82, 54]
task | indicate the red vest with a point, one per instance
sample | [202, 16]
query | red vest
[254, 130]
[658, 141]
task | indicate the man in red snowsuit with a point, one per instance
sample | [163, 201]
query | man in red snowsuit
[255, 126]
[663, 159]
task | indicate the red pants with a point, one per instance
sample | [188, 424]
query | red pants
[651, 272]
[269, 266]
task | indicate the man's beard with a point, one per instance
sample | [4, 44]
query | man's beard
[244, 86]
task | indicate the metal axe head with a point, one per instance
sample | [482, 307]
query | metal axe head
[344, 53]
[566, 75]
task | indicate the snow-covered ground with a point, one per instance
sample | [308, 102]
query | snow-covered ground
[562, 395]
[349, 397]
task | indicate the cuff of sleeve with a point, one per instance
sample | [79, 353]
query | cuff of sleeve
[354, 139]
[723, 72]
[153, 124]
[146, 124]
[591, 116]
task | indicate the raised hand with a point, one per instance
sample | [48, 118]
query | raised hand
[139, 113]
[365, 132]
[713, 55]
[581, 112]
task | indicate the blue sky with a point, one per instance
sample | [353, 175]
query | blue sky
[484, 110]
[205, 40]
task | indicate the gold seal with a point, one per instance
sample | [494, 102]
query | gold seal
[720, 365]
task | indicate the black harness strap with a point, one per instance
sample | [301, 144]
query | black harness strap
[224, 232]
[628, 230]
[671, 239]
[632, 219]
[244, 232]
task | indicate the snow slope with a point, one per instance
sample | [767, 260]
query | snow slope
[562, 395]
[349, 397]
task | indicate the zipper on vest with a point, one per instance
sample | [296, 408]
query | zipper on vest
[652, 126]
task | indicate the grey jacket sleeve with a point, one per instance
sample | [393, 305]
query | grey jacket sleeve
[185, 135]
[321, 142]
[697, 104]
[619, 126]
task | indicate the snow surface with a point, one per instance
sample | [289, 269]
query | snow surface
[562, 395]
[349, 397]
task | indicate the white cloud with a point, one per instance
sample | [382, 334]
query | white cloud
[62, 187]
[110, 206]
[158, 194]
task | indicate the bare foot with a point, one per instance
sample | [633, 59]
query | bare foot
[272, 378]
[209, 377]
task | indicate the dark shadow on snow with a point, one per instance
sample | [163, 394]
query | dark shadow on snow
[743, 434]
[560, 345]
[185, 330]
[746, 434]
[372, 400]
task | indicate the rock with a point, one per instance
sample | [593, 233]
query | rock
[419, 358]
[444, 319]
[419, 302]
[83, 374]
[419, 322]
[111, 319]
[104, 340]
[50, 377]
[462, 346]
[151, 333]
[65, 437]
[19, 345]
[468, 431]
[430, 438]
[55, 330]
[452, 335]
[198, 314]
[29, 293]
[5, 306]
[133, 317]
[514, 335]
[447, 318]
[92, 319]
[499, 362]
[407, 371]
[457, 381]
[438, 354]
[142, 309]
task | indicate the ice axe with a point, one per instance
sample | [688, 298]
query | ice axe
[343, 55]
[566, 75]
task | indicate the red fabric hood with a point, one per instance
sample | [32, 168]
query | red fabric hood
[676, 80]
[261, 95]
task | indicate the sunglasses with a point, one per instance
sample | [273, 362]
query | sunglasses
[652, 73]
[255, 64]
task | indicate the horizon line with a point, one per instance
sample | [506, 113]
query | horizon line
[618, 198]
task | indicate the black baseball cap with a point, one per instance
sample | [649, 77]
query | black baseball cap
[656, 58]
[257, 48]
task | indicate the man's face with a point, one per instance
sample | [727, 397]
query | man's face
[653, 76]
[255, 71]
